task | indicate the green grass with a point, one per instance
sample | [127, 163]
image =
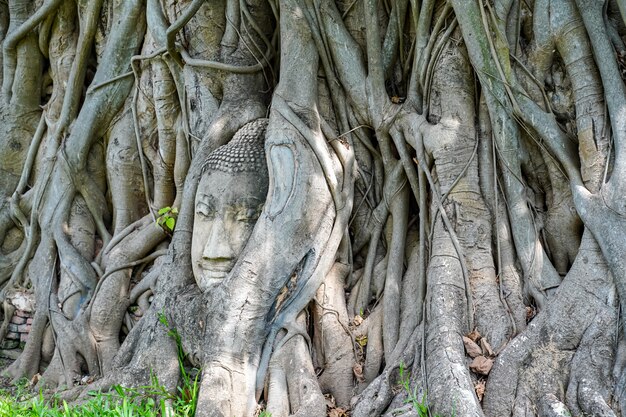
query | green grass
[421, 406]
[149, 401]
[146, 401]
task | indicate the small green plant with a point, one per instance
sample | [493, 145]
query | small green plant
[421, 406]
[265, 414]
[188, 398]
[120, 402]
[167, 218]
[145, 401]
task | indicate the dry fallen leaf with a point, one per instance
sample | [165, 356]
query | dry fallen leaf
[35, 379]
[358, 372]
[481, 365]
[472, 349]
[337, 412]
[474, 335]
[486, 347]
[331, 406]
[480, 389]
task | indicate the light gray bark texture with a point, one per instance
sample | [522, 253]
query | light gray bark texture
[319, 207]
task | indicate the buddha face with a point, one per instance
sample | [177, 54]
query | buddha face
[226, 208]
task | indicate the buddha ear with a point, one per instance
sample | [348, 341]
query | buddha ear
[282, 174]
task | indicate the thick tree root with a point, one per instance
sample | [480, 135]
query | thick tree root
[562, 357]
[334, 341]
[375, 399]
[293, 377]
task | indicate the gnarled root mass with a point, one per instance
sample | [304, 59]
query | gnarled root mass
[444, 228]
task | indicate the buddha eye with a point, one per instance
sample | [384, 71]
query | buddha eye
[205, 210]
[248, 215]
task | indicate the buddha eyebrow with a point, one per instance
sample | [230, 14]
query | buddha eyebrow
[251, 202]
[206, 199]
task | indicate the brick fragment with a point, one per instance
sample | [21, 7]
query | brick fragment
[13, 336]
[24, 328]
[18, 320]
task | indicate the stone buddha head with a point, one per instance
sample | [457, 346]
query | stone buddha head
[229, 200]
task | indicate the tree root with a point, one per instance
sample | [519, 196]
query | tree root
[375, 399]
[562, 344]
[299, 386]
[333, 337]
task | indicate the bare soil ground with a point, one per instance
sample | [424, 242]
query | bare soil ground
[5, 383]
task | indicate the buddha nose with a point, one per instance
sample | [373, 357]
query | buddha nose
[218, 244]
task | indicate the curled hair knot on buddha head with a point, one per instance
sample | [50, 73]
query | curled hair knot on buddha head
[244, 153]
